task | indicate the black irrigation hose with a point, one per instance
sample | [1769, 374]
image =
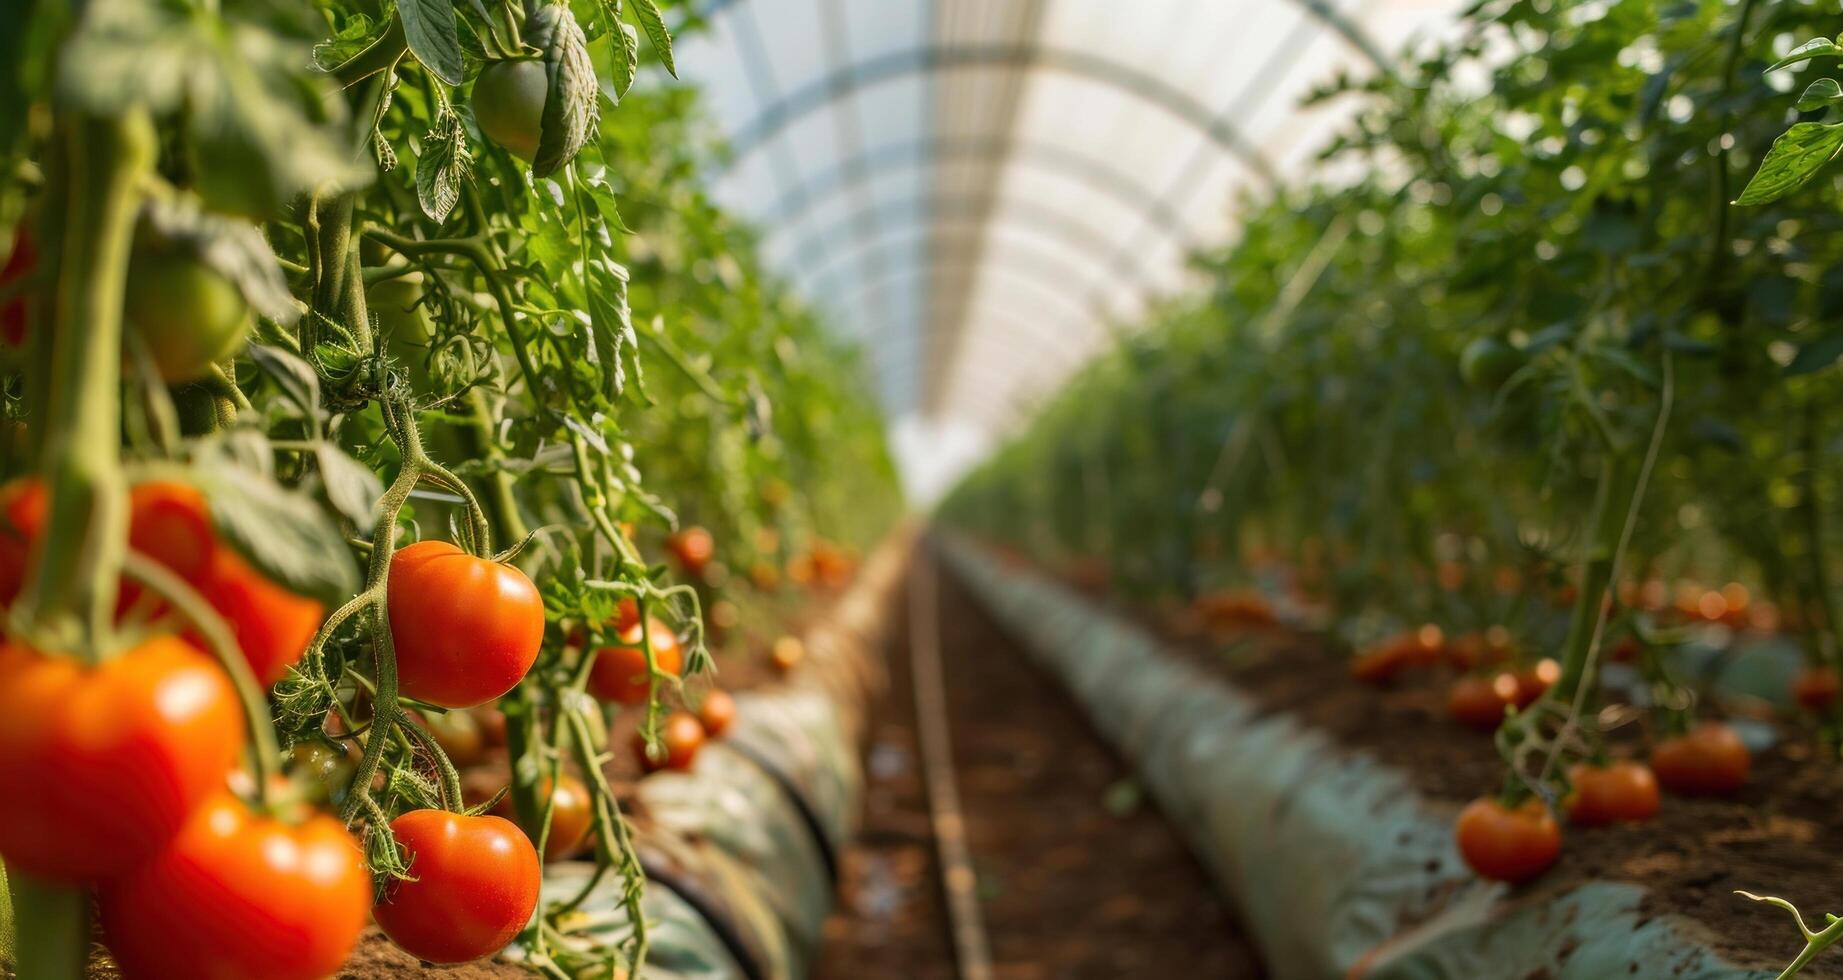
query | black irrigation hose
[719, 921]
[828, 850]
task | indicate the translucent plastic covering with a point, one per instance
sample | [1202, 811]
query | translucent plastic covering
[983, 190]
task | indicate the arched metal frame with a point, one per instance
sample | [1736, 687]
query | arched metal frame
[1018, 274]
[915, 213]
[1090, 172]
[890, 66]
[778, 112]
[824, 281]
[807, 249]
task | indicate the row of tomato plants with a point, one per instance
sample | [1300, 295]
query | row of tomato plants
[362, 362]
[1558, 325]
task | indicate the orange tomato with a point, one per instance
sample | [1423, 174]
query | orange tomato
[1619, 792]
[1709, 760]
[1512, 844]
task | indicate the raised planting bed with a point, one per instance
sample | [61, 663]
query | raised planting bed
[1324, 810]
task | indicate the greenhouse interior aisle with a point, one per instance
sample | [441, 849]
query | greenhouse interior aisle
[1077, 874]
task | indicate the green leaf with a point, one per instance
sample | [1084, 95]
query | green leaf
[234, 249]
[1821, 93]
[429, 27]
[285, 535]
[1817, 47]
[292, 374]
[570, 105]
[358, 34]
[261, 124]
[1816, 355]
[1796, 156]
[647, 13]
[351, 488]
[444, 165]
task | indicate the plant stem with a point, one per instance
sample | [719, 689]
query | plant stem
[53, 924]
[88, 521]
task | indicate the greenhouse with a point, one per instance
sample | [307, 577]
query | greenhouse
[980, 489]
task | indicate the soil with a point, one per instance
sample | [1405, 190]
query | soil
[377, 959]
[1079, 875]
[1772, 838]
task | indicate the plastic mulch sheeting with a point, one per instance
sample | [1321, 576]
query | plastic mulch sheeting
[740, 852]
[1337, 866]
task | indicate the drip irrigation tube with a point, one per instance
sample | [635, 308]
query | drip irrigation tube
[1338, 867]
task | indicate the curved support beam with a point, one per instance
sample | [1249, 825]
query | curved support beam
[1048, 287]
[1091, 172]
[889, 235]
[1101, 68]
[925, 208]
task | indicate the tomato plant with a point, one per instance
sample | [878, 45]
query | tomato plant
[368, 360]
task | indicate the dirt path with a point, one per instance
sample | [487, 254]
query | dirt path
[1078, 875]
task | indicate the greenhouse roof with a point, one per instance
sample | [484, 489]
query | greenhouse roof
[982, 190]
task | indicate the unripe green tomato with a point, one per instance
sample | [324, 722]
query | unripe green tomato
[508, 104]
[186, 312]
[1486, 363]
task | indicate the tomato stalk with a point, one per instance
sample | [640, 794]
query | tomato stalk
[1811, 514]
[76, 571]
[52, 923]
[195, 610]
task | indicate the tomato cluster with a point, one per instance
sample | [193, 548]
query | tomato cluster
[170, 523]
[120, 765]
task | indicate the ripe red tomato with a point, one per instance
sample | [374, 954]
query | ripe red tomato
[476, 885]
[619, 674]
[1505, 843]
[466, 629]
[24, 507]
[272, 626]
[717, 712]
[693, 547]
[682, 737]
[571, 815]
[1619, 792]
[103, 765]
[20, 264]
[1710, 760]
[1479, 702]
[1815, 689]
[237, 896]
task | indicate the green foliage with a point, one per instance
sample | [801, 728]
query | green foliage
[1555, 179]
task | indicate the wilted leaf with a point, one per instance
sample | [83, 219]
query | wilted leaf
[569, 108]
[444, 165]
